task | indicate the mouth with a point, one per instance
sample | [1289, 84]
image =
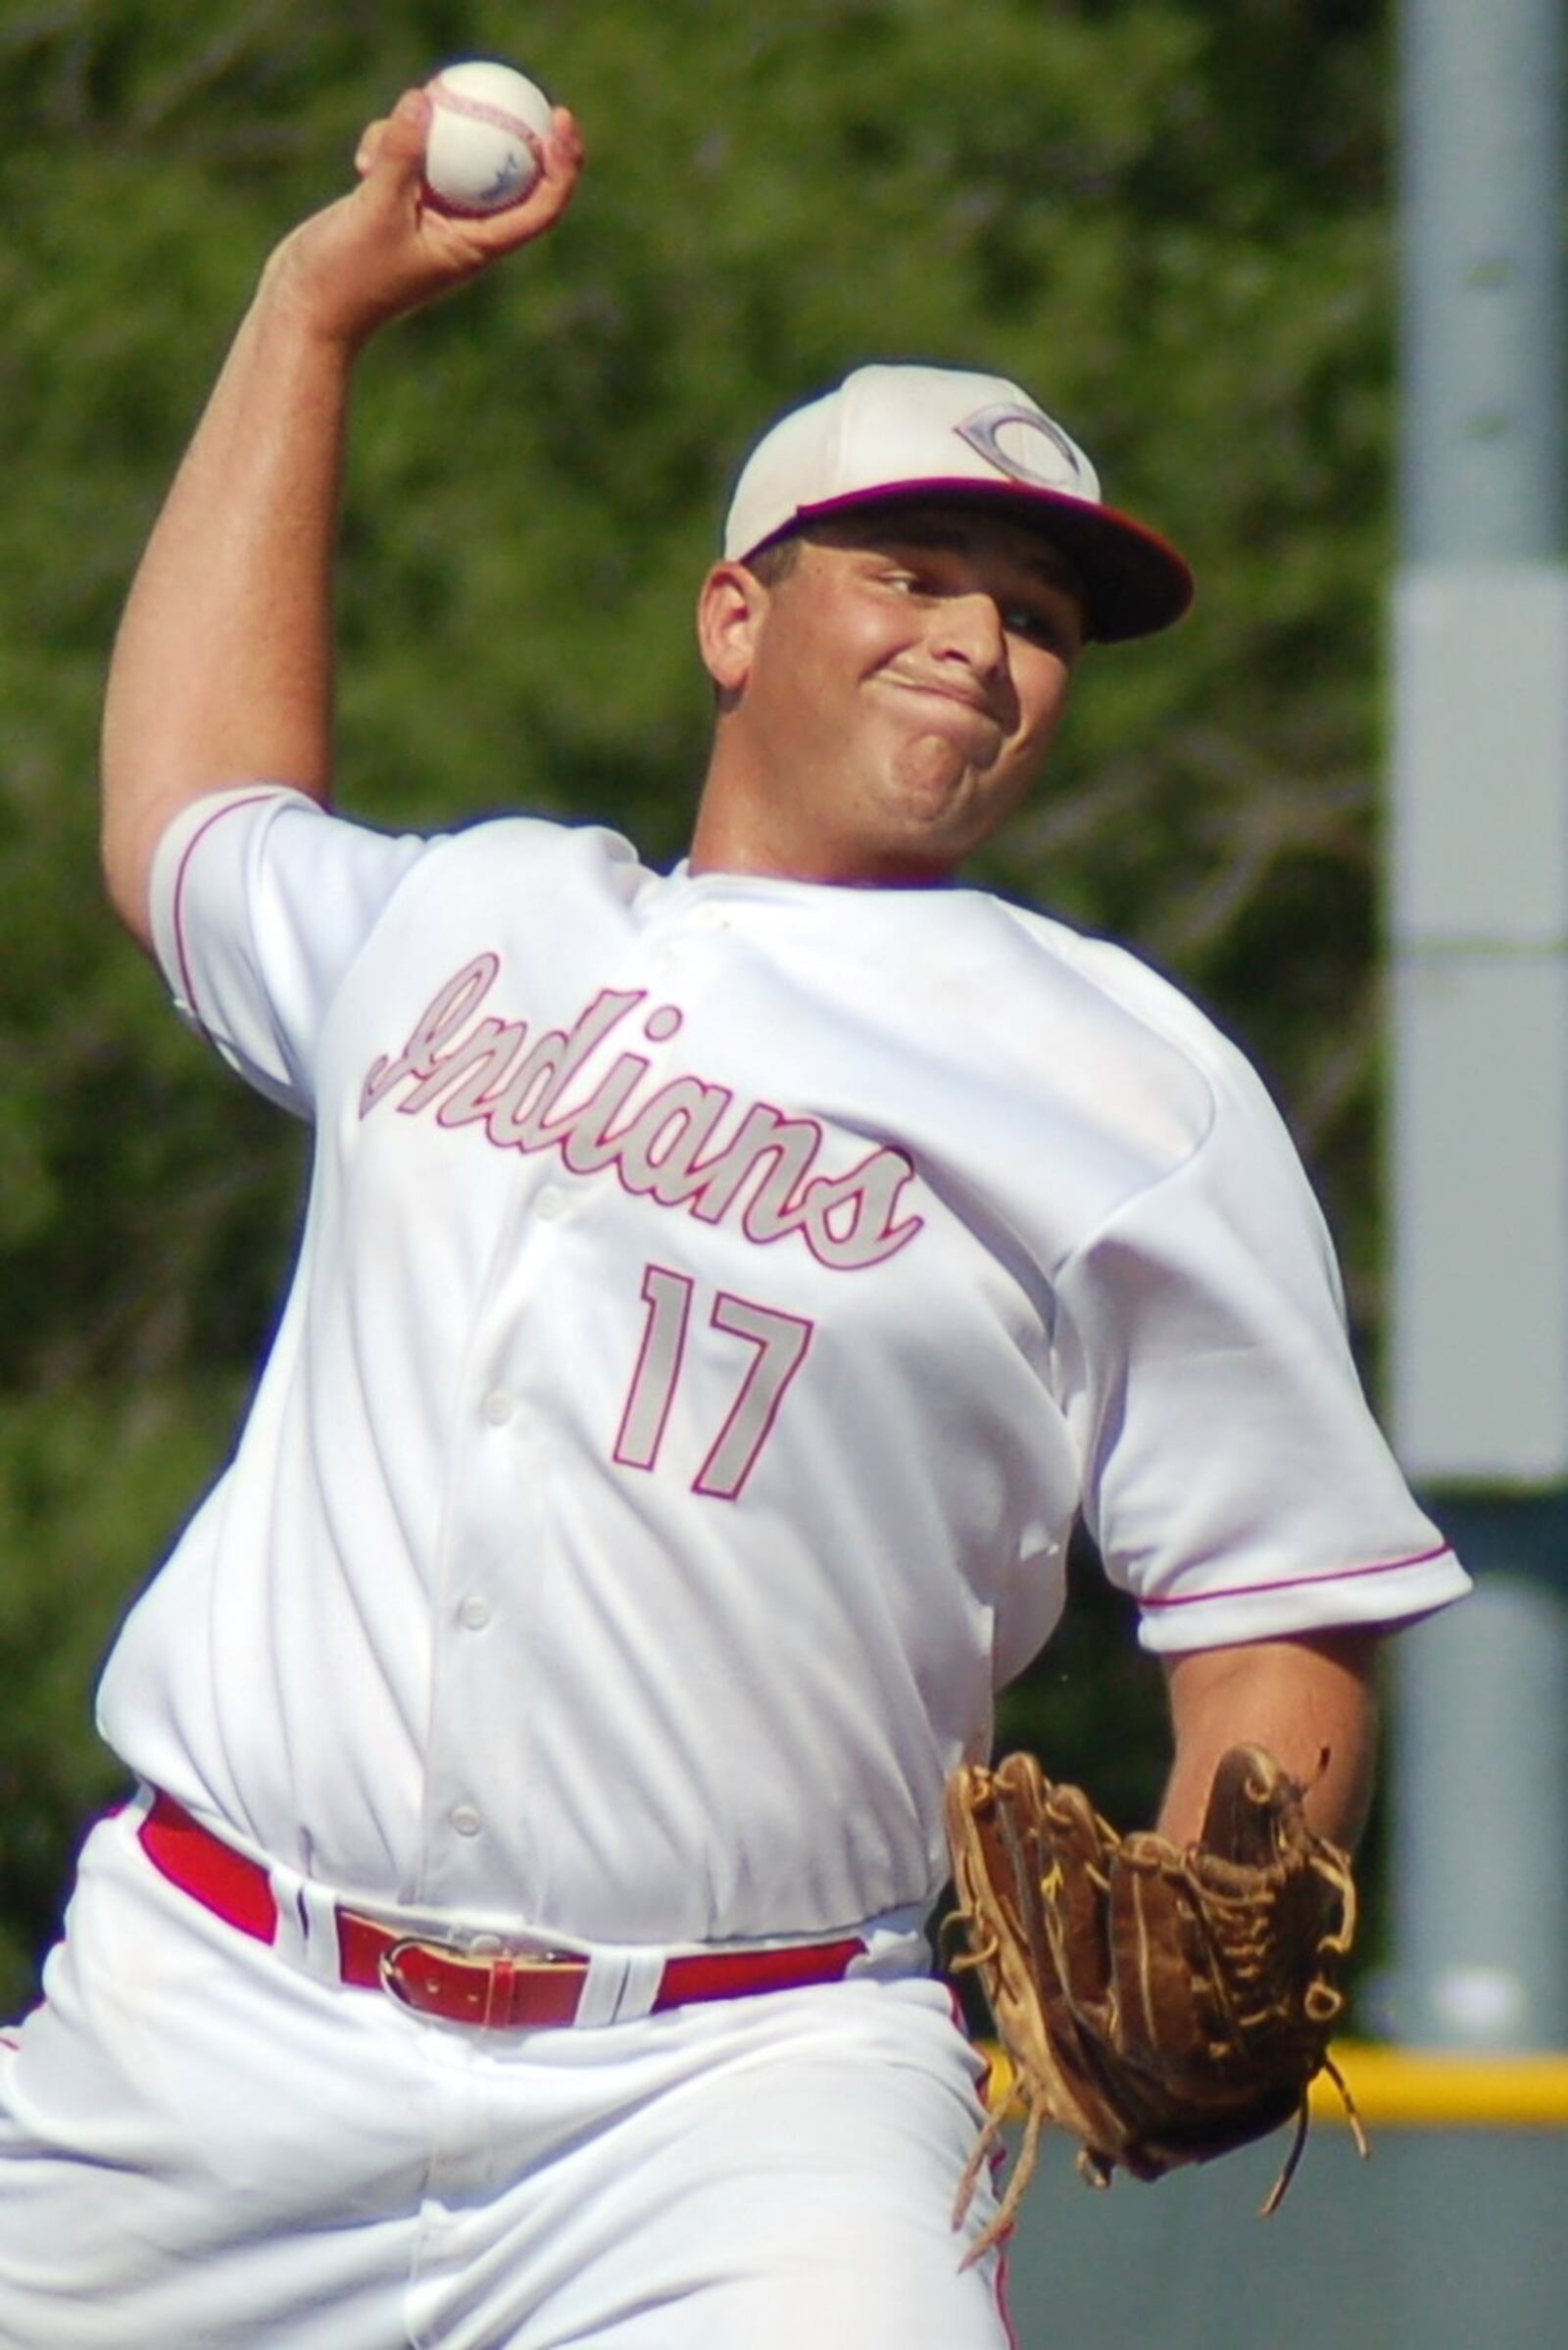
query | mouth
[965, 697]
[975, 706]
[964, 719]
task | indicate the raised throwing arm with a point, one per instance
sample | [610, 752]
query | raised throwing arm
[223, 669]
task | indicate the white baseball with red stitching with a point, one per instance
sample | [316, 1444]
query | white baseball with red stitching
[485, 145]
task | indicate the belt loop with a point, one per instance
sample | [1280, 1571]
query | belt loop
[503, 1974]
[602, 1999]
[135, 1807]
[642, 1973]
[307, 1926]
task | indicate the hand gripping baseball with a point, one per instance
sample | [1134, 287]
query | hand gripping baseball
[387, 249]
[1162, 2004]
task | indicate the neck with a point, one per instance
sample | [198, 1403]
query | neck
[741, 828]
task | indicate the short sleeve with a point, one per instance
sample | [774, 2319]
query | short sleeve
[1235, 1479]
[261, 901]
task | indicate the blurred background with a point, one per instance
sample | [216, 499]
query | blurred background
[1175, 221]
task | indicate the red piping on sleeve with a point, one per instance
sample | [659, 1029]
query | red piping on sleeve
[229, 809]
[1300, 1583]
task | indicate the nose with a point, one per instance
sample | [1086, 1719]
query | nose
[969, 628]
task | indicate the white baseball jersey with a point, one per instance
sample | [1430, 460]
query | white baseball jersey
[718, 1295]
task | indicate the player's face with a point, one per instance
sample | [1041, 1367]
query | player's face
[891, 697]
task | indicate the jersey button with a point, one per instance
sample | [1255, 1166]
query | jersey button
[498, 1408]
[465, 1820]
[475, 1613]
[549, 1203]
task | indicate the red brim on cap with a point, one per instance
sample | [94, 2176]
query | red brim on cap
[1135, 582]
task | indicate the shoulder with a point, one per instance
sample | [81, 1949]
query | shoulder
[508, 848]
[1148, 1006]
[1165, 1071]
[1137, 997]
[1168, 1068]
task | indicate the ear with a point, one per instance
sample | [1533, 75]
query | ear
[731, 606]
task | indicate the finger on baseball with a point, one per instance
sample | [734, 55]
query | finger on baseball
[364, 153]
[560, 166]
[565, 138]
[391, 150]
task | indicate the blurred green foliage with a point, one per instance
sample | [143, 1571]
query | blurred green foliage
[1167, 217]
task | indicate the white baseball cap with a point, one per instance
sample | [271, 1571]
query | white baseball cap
[898, 432]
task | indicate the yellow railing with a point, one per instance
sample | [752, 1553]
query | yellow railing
[1440, 2088]
[1417, 2087]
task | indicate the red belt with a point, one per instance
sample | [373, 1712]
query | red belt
[503, 1991]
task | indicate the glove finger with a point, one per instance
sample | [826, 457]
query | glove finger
[1254, 1810]
[1166, 2010]
[1076, 1851]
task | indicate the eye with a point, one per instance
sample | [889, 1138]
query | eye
[1038, 627]
[1023, 619]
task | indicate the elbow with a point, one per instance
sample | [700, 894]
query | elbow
[125, 870]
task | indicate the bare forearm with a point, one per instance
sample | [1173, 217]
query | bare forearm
[223, 667]
[1301, 1698]
[222, 671]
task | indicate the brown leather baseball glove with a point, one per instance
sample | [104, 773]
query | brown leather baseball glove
[1161, 2004]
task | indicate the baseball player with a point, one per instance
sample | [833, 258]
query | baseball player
[720, 1292]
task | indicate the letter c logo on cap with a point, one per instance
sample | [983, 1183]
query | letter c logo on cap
[984, 430]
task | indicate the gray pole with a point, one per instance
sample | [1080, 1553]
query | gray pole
[1481, 311]
[1479, 920]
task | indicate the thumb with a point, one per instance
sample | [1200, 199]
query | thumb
[391, 153]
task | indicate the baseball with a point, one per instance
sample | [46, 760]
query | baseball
[485, 144]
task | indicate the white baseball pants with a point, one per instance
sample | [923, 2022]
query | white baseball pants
[202, 2148]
